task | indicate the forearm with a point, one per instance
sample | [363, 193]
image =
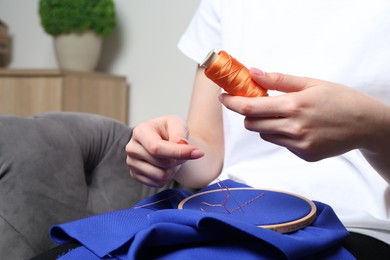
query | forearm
[380, 162]
[377, 148]
[205, 132]
[199, 173]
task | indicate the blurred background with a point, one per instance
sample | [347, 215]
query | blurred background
[141, 48]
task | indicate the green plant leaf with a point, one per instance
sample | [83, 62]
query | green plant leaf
[67, 16]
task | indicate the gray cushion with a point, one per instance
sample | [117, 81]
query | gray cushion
[58, 167]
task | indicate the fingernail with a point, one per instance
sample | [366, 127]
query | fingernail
[220, 98]
[197, 154]
[182, 141]
[256, 72]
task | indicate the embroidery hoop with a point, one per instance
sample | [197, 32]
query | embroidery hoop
[285, 226]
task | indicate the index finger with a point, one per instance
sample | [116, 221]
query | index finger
[172, 150]
[270, 106]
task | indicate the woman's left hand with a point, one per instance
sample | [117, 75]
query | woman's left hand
[314, 119]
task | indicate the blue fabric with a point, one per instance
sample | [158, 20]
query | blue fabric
[156, 229]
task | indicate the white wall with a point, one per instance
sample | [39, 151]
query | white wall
[142, 48]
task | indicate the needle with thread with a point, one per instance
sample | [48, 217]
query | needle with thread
[183, 140]
[229, 192]
[219, 182]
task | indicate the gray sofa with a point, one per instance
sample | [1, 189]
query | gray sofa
[58, 167]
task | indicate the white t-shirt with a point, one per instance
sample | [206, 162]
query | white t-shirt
[343, 41]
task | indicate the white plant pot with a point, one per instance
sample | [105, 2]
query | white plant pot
[78, 51]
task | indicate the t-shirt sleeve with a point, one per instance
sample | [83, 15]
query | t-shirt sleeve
[203, 33]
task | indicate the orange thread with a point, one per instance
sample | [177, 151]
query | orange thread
[222, 205]
[228, 195]
[219, 182]
[233, 77]
[216, 205]
[157, 201]
[248, 202]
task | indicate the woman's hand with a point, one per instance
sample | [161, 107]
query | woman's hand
[314, 119]
[157, 149]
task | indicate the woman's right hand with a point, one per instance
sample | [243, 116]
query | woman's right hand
[157, 149]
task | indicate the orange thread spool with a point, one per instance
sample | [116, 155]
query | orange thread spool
[231, 75]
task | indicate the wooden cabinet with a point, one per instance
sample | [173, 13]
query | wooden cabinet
[27, 92]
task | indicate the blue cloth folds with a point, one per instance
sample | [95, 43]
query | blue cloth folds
[155, 229]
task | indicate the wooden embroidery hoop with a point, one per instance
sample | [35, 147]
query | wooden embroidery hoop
[284, 227]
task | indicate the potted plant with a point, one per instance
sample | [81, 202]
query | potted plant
[78, 28]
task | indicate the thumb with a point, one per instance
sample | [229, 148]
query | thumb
[177, 130]
[278, 81]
